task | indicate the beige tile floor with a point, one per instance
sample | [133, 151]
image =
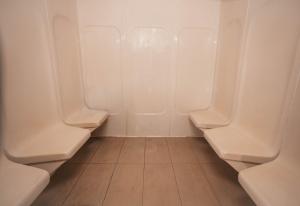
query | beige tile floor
[144, 171]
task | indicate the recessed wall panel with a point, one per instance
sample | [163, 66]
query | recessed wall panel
[102, 72]
[195, 68]
[68, 64]
[149, 68]
[148, 74]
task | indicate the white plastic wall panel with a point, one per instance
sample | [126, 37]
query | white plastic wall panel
[277, 183]
[66, 54]
[148, 82]
[194, 61]
[231, 30]
[29, 99]
[290, 143]
[103, 75]
[158, 58]
[272, 36]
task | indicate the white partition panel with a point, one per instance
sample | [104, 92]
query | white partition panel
[33, 129]
[231, 32]
[272, 36]
[226, 82]
[63, 28]
[28, 90]
[64, 31]
[277, 182]
[148, 51]
[273, 33]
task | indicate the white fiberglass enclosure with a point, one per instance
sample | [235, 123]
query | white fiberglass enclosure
[227, 70]
[149, 64]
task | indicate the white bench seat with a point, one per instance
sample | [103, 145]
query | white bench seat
[239, 166]
[20, 184]
[231, 143]
[272, 184]
[59, 142]
[87, 118]
[208, 119]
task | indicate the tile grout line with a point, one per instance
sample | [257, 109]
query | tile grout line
[177, 187]
[73, 185]
[144, 169]
[99, 146]
[112, 174]
[79, 176]
[210, 184]
[92, 156]
[205, 176]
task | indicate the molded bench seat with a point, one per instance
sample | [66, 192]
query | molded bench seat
[272, 184]
[230, 143]
[59, 142]
[87, 118]
[239, 166]
[208, 119]
[20, 184]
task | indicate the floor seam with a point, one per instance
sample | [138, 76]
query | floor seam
[172, 164]
[112, 175]
[210, 185]
[74, 184]
[94, 153]
[145, 147]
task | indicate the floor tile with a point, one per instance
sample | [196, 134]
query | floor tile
[91, 186]
[204, 153]
[133, 151]
[60, 186]
[133, 171]
[157, 151]
[223, 180]
[182, 152]
[108, 151]
[126, 187]
[160, 186]
[193, 187]
[86, 152]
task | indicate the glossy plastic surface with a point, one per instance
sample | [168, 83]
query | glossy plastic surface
[149, 63]
[20, 184]
[278, 183]
[269, 67]
[33, 129]
[63, 28]
[231, 30]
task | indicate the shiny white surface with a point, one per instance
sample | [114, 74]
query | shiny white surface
[239, 166]
[33, 129]
[268, 77]
[50, 167]
[57, 142]
[158, 58]
[226, 81]
[208, 119]
[20, 184]
[278, 182]
[62, 18]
